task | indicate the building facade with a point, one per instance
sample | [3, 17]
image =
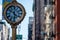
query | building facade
[58, 19]
[38, 19]
[49, 20]
[43, 19]
[4, 31]
[30, 28]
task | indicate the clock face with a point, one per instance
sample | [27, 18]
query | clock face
[13, 13]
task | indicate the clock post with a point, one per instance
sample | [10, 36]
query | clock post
[14, 13]
[14, 32]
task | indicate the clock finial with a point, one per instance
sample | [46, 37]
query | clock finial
[13, 0]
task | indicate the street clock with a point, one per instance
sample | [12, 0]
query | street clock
[14, 13]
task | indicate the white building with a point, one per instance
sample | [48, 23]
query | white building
[3, 31]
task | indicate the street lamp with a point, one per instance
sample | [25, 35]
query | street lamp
[14, 13]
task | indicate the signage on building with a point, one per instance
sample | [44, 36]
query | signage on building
[19, 37]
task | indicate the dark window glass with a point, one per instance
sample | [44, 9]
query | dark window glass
[45, 2]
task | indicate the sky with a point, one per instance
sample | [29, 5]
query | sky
[0, 9]
[24, 24]
[28, 7]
